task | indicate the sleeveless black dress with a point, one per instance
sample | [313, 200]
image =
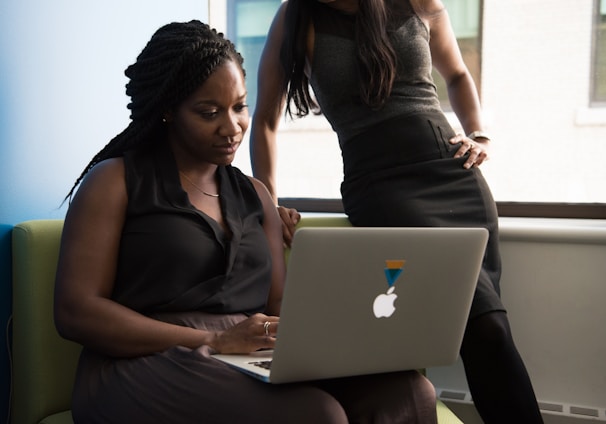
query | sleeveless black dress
[398, 165]
[177, 265]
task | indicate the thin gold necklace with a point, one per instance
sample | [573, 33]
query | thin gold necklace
[199, 189]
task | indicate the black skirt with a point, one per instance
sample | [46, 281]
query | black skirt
[402, 173]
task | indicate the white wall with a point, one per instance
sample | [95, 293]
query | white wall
[61, 100]
[62, 90]
[536, 63]
[553, 286]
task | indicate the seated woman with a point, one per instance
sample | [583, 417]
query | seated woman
[170, 254]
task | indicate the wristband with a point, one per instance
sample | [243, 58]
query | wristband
[478, 134]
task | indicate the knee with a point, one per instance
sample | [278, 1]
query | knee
[314, 406]
[426, 389]
[406, 396]
[490, 330]
[425, 394]
[423, 408]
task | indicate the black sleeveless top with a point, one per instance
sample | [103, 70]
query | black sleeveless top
[174, 258]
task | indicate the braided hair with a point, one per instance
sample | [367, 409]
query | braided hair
[175, 62]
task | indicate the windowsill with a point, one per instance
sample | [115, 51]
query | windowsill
[584, 231]
[590, 116]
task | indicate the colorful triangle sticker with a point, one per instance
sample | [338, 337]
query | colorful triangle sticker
[393, 270]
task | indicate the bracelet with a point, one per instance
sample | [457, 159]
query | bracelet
[478, 134]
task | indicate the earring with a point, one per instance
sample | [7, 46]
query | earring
[164, 120]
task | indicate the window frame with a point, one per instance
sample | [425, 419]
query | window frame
[593, 101]
[559, 210]
[250, 63]
[505, 209]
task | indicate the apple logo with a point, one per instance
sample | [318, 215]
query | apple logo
[383, 306]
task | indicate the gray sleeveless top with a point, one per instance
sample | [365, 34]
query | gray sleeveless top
[335, 80]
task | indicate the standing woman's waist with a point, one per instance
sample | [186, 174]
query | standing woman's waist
[397, 142]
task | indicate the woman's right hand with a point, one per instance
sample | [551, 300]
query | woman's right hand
[290, 219]
[248, 336]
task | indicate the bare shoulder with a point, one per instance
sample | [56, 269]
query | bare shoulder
[103, 188]
[282, 8]
[276, 29]
[280, 16]
[261, 189]
[428, 9]
[106, 174]
[109, 167]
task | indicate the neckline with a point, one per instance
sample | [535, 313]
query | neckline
[342, 11]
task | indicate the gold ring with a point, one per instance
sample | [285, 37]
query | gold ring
[266, 327]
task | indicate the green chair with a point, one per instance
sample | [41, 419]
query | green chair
[44, 364]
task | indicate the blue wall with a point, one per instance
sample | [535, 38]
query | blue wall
[61, 100]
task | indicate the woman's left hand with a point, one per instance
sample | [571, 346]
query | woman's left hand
[478, 150]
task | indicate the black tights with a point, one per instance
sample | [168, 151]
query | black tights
[499, 384]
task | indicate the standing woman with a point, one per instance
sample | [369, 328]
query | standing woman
[369, 64]
[169, 254]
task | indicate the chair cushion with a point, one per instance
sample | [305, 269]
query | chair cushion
[44, 364]
[445, 415]
[64, 417]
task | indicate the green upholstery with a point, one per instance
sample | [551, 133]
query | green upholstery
[64, 417]
[445, 415]
[44, 364]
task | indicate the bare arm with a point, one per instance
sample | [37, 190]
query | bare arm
[271, 99]
[272, 225]
[84, 311]
[269, 107]
[462, 92]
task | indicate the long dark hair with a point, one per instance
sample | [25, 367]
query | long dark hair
[376, 56]
[176, 60]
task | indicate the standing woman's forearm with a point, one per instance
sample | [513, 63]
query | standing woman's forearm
[270, 104]
[448, 60]
[263, 155]
[465, 102]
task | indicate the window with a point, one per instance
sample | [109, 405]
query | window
[248, 24]
[598, 95]
[537, 73]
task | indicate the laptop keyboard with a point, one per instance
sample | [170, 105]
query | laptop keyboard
[262, 364]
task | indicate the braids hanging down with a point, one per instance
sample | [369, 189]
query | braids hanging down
[175, 62]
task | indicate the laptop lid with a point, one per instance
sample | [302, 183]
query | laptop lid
[362, 300]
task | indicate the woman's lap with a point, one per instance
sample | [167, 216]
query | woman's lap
[184, 385]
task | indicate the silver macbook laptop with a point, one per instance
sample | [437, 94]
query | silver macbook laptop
[370, 300]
